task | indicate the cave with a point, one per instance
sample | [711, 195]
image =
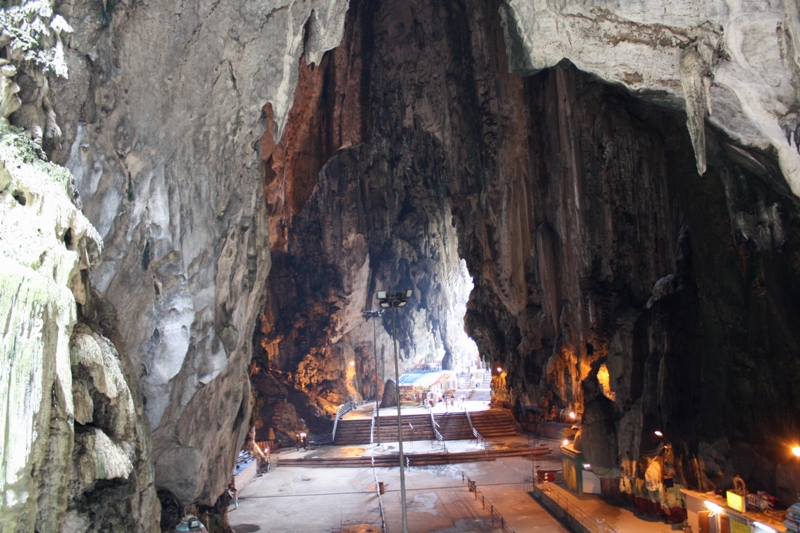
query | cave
[200, 203]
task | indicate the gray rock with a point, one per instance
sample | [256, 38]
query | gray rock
[160, 146]
[732, 62]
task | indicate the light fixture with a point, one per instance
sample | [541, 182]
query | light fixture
[499, 369]
[572, 415]
[352, 363]
[565, 442]
[395, 300]
[658, 433]
[587, 466]
[796, 451]
[765, 528]
[713, 507]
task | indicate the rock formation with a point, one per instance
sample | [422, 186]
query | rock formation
[628, 219]
[75, 446]
[162, 117]
[606, 236]
[735, 63]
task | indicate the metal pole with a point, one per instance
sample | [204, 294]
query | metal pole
[399, 424]
[378, 376]
[378, 380]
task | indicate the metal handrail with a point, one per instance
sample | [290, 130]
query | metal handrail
[372, 426]
[480, 439]
[597, 525]
[505, 527]
[343, 409]
[375, 472]
[436, 433]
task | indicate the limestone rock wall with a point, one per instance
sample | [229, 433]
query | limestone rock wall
[358, 200]
[593, 226]
[74, 452]
[162, 117]
[734, 64]
[611, 276]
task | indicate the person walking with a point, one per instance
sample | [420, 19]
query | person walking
[233, 493]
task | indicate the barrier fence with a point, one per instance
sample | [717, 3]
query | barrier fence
[495, 514]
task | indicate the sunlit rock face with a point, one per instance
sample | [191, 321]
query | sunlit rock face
[734, 63]
[74, 452]
[162, 117]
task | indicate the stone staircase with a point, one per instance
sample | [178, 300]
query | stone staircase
[454, 426]
[479, 395]
[357, 431]
[494, 423]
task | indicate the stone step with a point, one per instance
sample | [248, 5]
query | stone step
[357, 431]
[454, 426]
[494, 423]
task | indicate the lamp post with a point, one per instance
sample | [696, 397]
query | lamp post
[378, 376]
[394, 300]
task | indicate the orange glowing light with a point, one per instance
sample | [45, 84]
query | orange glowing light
[565, 442]
[572, 415]
[499, 369]
[352, 363]
[796, 451]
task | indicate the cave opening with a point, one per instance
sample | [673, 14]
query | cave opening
[549, 225]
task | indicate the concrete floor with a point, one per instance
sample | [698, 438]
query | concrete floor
[325, 500]
[343, 500]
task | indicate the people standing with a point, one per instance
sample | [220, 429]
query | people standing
[233, 492]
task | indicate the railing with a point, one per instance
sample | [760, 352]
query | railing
[473, 487]
[374, 472]
[481, 441]
[594, 525]
[372, 426]
[343, 409]
[436, 433]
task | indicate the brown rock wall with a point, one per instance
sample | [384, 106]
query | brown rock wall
[579, 211]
